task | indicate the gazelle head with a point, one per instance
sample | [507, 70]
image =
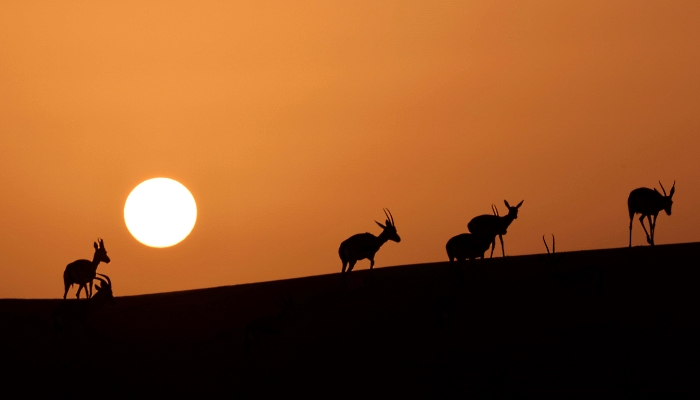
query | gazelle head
[101, 252]
[389, 228]
[513, 211]
[105, 290]
[667, 198]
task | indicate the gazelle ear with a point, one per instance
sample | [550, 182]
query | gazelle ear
[519, 204]
[383, 227]
[95, 245]
[673, 189]
[507, 205]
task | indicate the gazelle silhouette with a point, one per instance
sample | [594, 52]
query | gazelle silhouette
[468, 246]
[83, 272]
[79, 311]
[492, 225]
[366, 245]
[649, 202]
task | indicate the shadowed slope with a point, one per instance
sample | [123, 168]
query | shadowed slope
[512, 324]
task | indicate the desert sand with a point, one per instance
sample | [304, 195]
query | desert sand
[621, 321]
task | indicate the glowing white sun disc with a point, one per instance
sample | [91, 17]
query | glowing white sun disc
[160, 212]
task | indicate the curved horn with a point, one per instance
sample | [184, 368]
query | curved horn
[554, 243]
[105, 285]
[389, 216]
[662, 187]
[109, 281]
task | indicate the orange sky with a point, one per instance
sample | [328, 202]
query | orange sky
[294, 123]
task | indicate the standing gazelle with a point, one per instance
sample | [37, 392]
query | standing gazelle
[366, 245]
[83, 272]
[492, 225]
[649, 202]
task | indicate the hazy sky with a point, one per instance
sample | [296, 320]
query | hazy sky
[294, 123]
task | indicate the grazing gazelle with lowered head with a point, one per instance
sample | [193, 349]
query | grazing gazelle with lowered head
[73, 311]
[649, 203]
[492, 225]
[83, 272]
[468, 246]
[366, 245]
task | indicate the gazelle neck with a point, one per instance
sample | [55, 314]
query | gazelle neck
[382, 238]
[507, 219]
[95, 261]
[97, 301]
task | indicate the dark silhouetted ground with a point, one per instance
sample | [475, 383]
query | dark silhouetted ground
[619, 321]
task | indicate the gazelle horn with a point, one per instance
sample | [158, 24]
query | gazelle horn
[109, 281]
[662, 187]
[554, 243]
[389, 216]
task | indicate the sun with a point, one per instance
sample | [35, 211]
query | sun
[160, 212]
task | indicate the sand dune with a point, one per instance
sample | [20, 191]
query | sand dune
[617, 320]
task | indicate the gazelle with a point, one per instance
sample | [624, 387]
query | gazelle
[78, 311]
[468, 246]
[492, 225]
[366, 245]
[649, 202]
[83, 272]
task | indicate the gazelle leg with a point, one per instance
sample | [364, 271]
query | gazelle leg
[352, 265]
[641, 221]
[493, 246]
[80, 287]
[503, 251]
[653, 229]
[86, 289]
[345, 263]
[631, 219]
[66, 292]
[369, 276]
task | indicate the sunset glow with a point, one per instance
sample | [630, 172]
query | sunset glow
[295, 123]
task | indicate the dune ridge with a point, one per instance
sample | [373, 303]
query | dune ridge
[614, 320]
